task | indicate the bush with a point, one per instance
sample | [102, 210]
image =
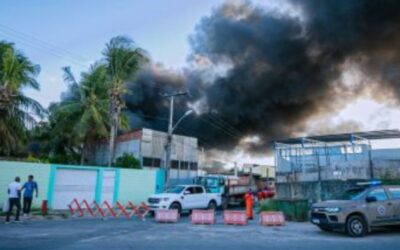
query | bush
[128, 161]
[34, 159]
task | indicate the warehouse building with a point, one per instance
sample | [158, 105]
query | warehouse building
[320, 166]
[148, 146]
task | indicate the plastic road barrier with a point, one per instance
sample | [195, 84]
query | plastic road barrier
[272, 219]
[235, 217]
[203, 216]
[167, 215]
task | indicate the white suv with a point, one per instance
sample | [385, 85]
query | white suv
[184, 197]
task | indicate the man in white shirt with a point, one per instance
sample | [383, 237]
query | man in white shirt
[14, 198]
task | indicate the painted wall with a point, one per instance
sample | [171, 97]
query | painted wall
[130, 184]
[136, 185]
[9, 170]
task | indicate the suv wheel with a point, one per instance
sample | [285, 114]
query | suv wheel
[356, 226]
[176, 206]
[212, 205]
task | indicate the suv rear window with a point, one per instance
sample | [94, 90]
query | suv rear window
[394, 192]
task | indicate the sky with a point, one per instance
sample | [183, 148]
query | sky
[73, 33]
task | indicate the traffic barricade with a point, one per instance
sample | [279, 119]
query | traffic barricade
[272, 219]
[167, 215]
[97, 209]
[108, 209]
[75, 205]
[206, 217]
[235, 217]
[86, 207]
[122, 210]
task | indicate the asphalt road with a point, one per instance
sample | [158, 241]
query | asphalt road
[120, 233]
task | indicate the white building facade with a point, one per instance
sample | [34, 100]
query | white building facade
[148, 146]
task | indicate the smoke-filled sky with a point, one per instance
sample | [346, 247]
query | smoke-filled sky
[260, 70]
[263, 74]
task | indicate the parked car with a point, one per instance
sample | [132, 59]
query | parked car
[185, 197]
[359, 210]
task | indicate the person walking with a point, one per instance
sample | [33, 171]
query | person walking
[30, 186]
[14, 198]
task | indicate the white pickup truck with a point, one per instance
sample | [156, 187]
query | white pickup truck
[184, 197]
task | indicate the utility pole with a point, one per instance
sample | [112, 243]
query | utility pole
[169, 136]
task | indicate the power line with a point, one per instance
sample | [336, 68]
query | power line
[41, 48]
[45, 43]
[219, 117]
[220, 128]
[225, 125]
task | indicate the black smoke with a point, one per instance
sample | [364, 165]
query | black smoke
[258, 72]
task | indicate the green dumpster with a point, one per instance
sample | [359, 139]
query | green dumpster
[294, 209]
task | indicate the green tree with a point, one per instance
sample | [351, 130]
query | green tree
[82, 116]
[127, 161]
[123, 60]
[17, 111]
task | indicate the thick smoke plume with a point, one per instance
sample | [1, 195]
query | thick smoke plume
[259, 74]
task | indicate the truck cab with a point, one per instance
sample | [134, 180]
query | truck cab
[184, 198]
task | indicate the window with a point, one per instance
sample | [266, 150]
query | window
[199, 190]
[395, 192]
[176, 190]
[174, 164]
[193, 166]
[184, 165]
[151, 162]
[147, 162]
[190, 190]
[379, 194]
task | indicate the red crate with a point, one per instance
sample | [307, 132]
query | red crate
[272, 219]
[235, 217]
[203, 216]
[167, 215]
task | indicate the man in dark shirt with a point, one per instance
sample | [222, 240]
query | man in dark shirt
[29, 187]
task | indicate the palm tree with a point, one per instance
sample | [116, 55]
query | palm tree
[83, 114]
[17, 111]
[123, 61]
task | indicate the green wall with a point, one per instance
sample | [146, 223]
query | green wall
[9, 170]
[130, 184]
[136, 185]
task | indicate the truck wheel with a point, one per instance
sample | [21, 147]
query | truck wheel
[176, 206]
[356, 226]
[212, 205]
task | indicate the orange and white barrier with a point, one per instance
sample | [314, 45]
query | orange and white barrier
[203, 217]
[235, 217]
[167, 215]
[272, 219]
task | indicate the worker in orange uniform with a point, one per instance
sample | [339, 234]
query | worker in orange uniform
[248, 197]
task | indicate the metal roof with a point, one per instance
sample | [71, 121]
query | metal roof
[370, 135]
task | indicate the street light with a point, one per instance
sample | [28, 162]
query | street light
[171, 129]
[187, 113]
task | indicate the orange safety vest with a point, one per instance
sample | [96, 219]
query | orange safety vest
[249, 205]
